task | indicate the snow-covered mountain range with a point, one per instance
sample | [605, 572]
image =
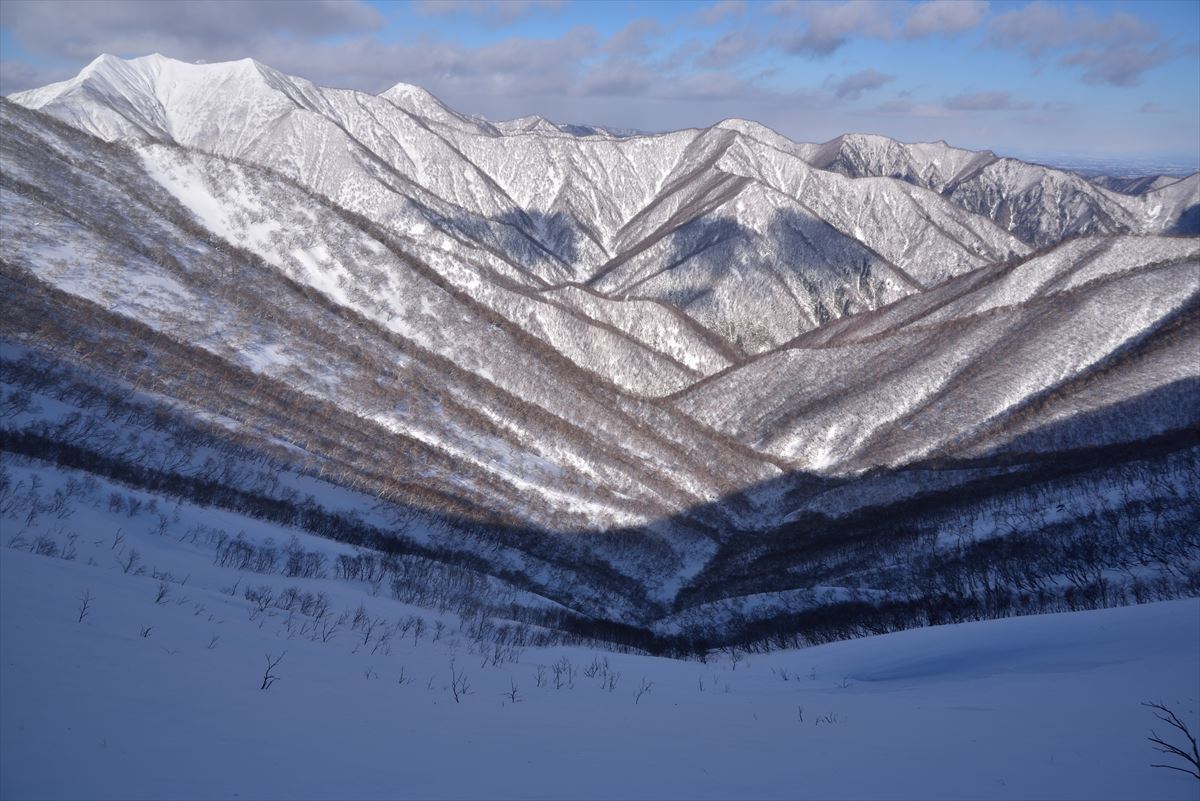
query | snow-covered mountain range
[687, 338]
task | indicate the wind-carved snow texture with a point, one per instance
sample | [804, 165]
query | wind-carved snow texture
[712, 386]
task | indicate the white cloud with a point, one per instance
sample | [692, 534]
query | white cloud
[986, 101]
[82, 30]
[1115, 50]
[718, 12]
[492, 12]
[851, 87]
[944, 17]
[829, 25]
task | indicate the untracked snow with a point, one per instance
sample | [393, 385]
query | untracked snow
[1040, 707]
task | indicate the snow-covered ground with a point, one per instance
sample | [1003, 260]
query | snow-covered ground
[1037, 707]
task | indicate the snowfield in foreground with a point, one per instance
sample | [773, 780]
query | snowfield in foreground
[1037, 707]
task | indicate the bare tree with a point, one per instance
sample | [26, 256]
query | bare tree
[85, 604]
[1191, 760]
[458, 683]
[382, 642]
[270, 678]
[511, 694]
[164, 589]
[645, 688]
[597, 668]
[329, 629]
[145, 630]
[564, 674]
[212, 642]
[130, 562]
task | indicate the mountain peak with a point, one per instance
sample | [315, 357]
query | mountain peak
[420, 102]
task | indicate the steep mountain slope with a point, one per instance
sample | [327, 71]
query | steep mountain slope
[1134, 185]
[353, 329]
[656, 264]
[1037, 204]
[755, 244]
[964, 367]
[535, 209]
[933, 165]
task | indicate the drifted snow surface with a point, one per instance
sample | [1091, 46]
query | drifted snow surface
[1039, 707]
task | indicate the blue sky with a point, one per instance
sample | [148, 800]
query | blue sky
[1104, 80]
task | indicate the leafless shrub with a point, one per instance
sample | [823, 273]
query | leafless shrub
[361, 618]
[270, 678]
[328, 629]
[564, 674]
[129, 562]
[383, 642]
[369, 627]
[145, 631]
[459, 686]
[1191, 761]
[262, 597]
[85, 604]
[642, 690]
[45, 546]
[164, 589]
